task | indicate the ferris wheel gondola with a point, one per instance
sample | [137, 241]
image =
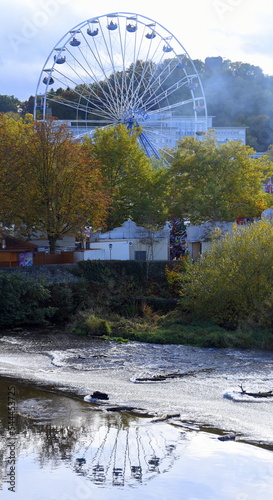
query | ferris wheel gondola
[122, 68]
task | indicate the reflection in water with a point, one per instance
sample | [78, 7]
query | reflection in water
[107, 449]
[67, 450]
[119, 452]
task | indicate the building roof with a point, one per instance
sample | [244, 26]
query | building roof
[12, 243]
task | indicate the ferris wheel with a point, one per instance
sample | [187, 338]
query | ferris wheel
[123, 68]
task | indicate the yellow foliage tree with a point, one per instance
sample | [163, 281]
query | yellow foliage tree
[137, 188]
[232, 282]
[217, 183]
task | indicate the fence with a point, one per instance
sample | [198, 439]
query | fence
[10, 258]
[45, 259]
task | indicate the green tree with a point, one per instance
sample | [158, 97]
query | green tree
[232, 283]
[216, 183]
[9, 103]
[136, 187]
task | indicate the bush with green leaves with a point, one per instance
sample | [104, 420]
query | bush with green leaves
[87, 323]
[23, 300]
[232, 282]
[68, 298]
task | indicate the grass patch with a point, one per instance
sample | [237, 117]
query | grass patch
[168, 329]
[194, 334]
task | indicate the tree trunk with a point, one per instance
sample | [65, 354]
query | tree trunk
[52, 243]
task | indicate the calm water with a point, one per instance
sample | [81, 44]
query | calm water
[65, 448]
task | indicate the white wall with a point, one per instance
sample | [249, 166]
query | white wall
[123, 250]
[120, 249]
[96, 254]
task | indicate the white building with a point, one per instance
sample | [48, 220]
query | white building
[199, 237]
[128, 242]
[225, 134]
[171, 129]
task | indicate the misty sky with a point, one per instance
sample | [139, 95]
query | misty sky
[240, 30]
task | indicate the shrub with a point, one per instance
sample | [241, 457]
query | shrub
[67, 298]
[232, 282]
[93, 325]
[62, 299]
[23, 300]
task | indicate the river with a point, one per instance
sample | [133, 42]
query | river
[156, 435]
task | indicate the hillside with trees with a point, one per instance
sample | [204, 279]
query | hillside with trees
[237, 93]
[240, 94]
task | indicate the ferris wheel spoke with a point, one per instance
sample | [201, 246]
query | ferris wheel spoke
[160, 80]
[146, 63]
[170, 107]
[143, 81]
[80, 107]
[123, 66]
[155, 81]
[80, 66]
[156, 65]
[157, 103]
[95, 106]
[114, 69]
[135, 59]
[72, 104]
[161, 137]
[128, 50]
[115, 77]
[92, 93]
[162, 96]
[142, 84]
[110, 96]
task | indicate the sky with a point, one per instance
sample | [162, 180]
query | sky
[239, 30]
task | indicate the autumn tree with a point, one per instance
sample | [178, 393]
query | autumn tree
[137, 187]
[217, 183]
[61, 186]
[12, 139]
[232, 283]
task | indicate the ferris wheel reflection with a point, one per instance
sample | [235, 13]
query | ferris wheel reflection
[128, 454]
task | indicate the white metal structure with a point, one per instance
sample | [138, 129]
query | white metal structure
[122, 68]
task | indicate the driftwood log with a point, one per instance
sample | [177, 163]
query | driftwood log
[266, 394]
[227, 437]
[166, 376]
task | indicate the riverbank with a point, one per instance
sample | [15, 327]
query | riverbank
[206, 390]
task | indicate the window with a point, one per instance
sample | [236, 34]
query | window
[140, 255]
